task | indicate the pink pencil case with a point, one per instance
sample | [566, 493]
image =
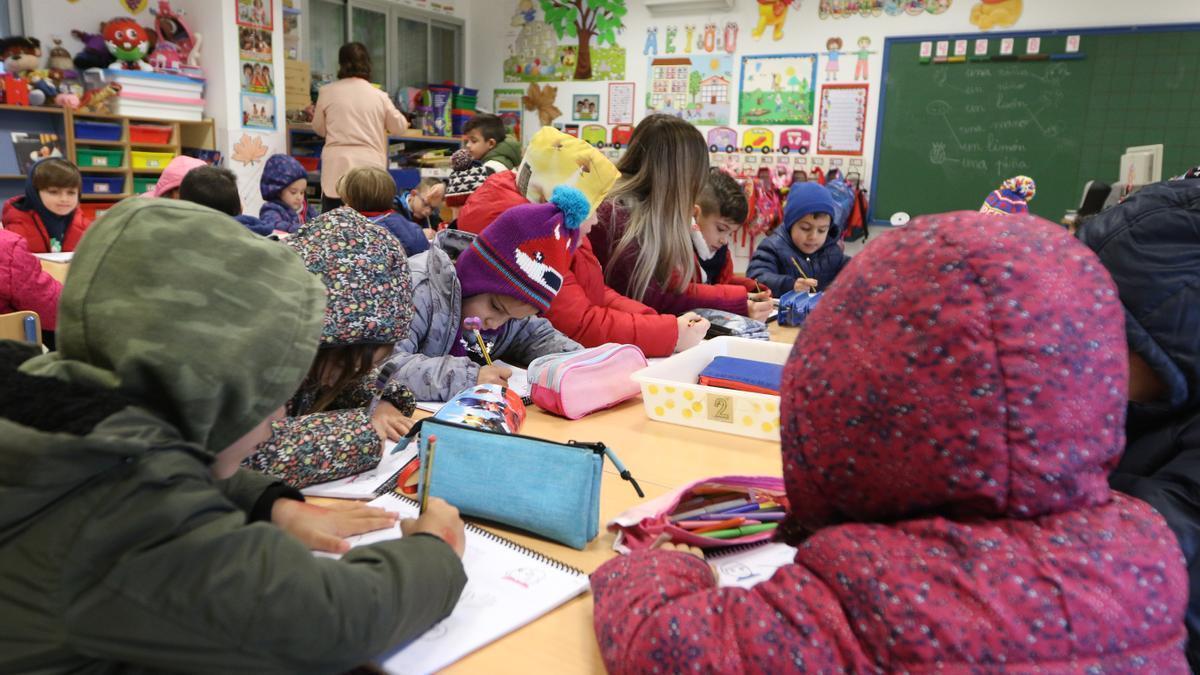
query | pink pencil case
[641, 526]
[580, 383]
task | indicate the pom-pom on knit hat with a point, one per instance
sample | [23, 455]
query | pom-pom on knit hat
[466, 175]
[1012, 197]
[526, 252]
[367, 283]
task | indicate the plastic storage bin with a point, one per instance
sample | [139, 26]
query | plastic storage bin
[97, 185]
[150, 160]
[149, 133]
[670, 392]
[143, 184]
[97, 131]
[309, 163]
[95, 157]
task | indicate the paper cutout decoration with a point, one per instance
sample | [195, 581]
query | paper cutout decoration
[989, 14]
[693, 88]
[651, 45]
[672, 32]
[777, 89]
[731, 36]
[541, 99]
[249, 149]
[535, 54]
[772, 13]
[133, 6]
[862, 64]
[689, 32]
[840, 9]
[833, 53]
[708, 39]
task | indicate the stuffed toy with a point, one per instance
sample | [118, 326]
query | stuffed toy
[128, 42]
[100, 100]
[22, 58]
[94, 53]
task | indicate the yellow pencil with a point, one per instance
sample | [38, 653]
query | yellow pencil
[427, 473]
[483, 348]
[799, 269]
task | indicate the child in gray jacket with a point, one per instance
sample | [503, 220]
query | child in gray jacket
[505, 278]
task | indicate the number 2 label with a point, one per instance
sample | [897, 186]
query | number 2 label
[720, 408]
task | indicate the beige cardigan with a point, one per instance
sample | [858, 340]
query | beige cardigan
[355, 118]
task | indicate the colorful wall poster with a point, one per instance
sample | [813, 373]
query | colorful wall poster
[257, 77]
[255, 43]
[777, 89]
[255, 13]
[841, 9]
[843, 119]
[258, 111]
[572, 40]
[506, 103]
[620, 102]
[694, 88]
[585, 107]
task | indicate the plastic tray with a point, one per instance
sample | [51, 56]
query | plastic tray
[143, 184]
[150, 160]
[96, 185]
[149, 133]
[95, 157]
[671, 394]
[97, 131]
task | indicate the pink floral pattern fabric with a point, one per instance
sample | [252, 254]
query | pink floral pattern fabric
[951, 411]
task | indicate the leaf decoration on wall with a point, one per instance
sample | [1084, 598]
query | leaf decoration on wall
[249, 149]
[541, 99]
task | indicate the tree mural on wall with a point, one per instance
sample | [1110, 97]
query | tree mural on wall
[583, 20]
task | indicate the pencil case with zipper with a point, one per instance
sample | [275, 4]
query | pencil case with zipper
[576, 384]
[672, 516]
[550, 489]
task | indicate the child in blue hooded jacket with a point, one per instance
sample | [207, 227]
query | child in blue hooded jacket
[282, 186]
[808, 239]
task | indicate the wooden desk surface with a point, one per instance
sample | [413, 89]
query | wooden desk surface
[661, 457]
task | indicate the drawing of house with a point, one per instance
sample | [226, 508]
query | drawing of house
[714, 89]
[669, 82]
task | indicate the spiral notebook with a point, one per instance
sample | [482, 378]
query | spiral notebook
[508, 586]
[749, 565]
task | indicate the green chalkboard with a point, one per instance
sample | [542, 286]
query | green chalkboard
[949, 133]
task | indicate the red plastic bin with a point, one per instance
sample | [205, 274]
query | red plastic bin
[149, 133]
[309, 163]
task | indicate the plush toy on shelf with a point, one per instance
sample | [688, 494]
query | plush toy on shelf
[22, 60]
[129, 42]
[94, 53]
[100, 100]
[178, 48]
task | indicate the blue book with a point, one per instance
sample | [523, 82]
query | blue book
[743, 375]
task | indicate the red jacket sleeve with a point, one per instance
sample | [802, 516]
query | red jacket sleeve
[496, 195]
[592, 314]
[26, 286]
[728, 277]
[696, 296]
[660, 611]
[75, 231]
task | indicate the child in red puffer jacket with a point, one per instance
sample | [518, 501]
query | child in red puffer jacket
[48, 214]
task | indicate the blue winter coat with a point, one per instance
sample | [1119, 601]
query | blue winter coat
[1150, 244]
[771, 265]
[411, 237]
[254, 224]
[279, 172]
[280, 216]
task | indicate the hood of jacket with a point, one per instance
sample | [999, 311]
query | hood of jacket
[971, 367]
[509, 150]
[433, 272]
[279, 172]
[188, 314]
[1150, 244]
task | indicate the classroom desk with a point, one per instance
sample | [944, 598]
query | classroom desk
[661, 457]
[58, 270]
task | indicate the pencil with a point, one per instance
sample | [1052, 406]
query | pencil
[483, 347]
[426, 475]
[799, 269]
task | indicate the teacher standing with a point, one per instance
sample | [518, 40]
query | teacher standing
[355, 118]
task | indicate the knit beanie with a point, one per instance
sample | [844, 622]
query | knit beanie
[367, 282]
[279, 172]
[1012, 197]
[1191, 174]
[466, 175]
[806, 198]
[525, 253]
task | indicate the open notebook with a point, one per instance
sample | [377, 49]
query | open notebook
[519, 382]
[508, 586]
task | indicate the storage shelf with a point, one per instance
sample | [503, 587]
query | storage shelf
[104, 198]
[107, 144]
[32, 108]
[12, 176]
[154, 146]
[149, 171]
[101, 169]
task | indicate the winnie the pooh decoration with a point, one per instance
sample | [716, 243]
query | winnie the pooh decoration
[989, 14]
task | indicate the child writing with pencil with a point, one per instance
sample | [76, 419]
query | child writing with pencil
[331, 429]
[643, 235]
[484, 305]
[803, 253]
[132, 540]
[947, 484]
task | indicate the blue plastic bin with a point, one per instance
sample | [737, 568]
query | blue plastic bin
[97, 131]
[97, 185]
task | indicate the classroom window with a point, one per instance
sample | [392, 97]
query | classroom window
[326, 23]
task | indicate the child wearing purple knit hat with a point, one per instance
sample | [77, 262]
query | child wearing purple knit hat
[506, 277]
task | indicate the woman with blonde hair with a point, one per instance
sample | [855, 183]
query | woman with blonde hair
[643, 237]
[355, 118]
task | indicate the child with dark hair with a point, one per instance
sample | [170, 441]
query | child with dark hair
[802, 253]
[720, 211]
[370, 191]
[47, 215]
[486, 138]
[283, 184]
[217, 189]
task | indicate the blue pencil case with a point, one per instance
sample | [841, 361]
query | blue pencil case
[547, 488]
[794, 307]
[743, 374]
